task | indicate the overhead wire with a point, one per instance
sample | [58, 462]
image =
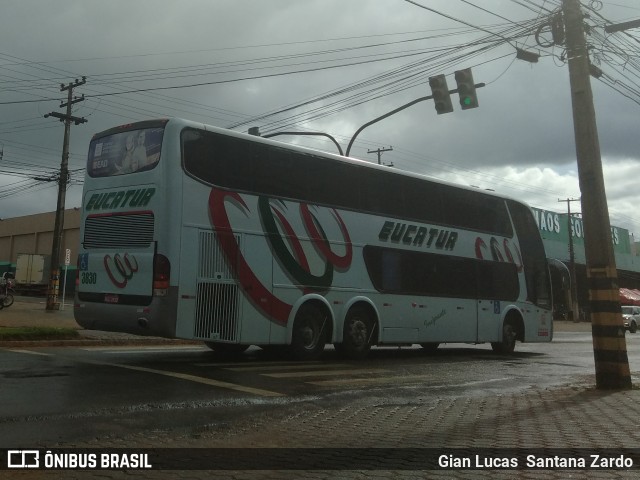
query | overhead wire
[407, 71]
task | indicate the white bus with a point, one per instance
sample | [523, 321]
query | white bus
[195, 232]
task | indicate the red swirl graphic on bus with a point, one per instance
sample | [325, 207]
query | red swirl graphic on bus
[124, 268]
[287, 250]
[496, 252]
[320, 241]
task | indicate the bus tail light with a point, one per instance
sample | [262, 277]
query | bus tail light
[161, 275]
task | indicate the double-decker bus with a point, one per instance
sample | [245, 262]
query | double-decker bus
[195, 232]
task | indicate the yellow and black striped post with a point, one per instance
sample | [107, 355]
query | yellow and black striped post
[609, 344]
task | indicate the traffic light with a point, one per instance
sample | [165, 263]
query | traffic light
[441, 97]
[466, 89]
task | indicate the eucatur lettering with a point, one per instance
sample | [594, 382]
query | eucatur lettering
[121, 199]
[418, 236]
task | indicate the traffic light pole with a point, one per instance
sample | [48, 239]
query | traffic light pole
[609, 345]
[393, 112]
[318, 134]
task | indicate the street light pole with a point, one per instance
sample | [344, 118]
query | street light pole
[609, 344]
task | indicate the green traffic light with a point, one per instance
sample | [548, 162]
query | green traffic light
[467, 101]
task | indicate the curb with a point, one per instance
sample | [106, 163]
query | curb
[88, 342]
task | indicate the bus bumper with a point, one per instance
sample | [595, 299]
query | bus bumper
[157, 319]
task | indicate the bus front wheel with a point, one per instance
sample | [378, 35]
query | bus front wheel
[309, 333]
[508, 343]
[430, 347]
[358, 331]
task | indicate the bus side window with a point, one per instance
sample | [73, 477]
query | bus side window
[333, 183]
[383, 193]
[242, 165]
[275, 172]
[423, 202]
[532, 250]
[497, 280]
[391, 271]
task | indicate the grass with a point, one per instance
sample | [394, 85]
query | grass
[37, 333]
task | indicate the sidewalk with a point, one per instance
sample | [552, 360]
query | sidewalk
[31, 312]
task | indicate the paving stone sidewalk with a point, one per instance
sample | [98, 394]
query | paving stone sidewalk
[575, 417]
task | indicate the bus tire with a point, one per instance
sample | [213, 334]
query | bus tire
[309, 332]
[508, 343]
[226, 348]
[430, 347]
[358, 331]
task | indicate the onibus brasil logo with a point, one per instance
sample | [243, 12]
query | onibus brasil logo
[293, 260]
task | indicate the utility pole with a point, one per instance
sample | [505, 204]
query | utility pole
[52, 295]
[380, 151]
[609, 344]
[575, 307]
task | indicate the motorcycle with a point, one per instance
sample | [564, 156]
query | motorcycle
[6, 292]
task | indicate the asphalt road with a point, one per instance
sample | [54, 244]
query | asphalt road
[53, 395]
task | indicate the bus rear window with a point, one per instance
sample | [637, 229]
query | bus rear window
[124, 152]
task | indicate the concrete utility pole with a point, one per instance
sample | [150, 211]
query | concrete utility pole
[52, 294]
[380, 151]
[609, 344]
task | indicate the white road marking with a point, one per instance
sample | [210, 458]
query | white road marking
[197, 379]
[267, 368]
[114, 349]
[29, 352]
[317, 373]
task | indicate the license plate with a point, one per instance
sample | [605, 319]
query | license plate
[111, 298]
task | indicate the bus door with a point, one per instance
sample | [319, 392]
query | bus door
[450, 314]
[489, 316]
[498, 286]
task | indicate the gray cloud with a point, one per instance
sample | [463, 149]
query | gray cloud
[520, 141]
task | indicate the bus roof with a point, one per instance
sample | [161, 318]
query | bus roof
[154, 123]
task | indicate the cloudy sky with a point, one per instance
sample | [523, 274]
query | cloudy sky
[328, 66]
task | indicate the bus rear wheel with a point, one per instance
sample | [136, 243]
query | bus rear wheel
[508, 343]
[358, 331]
[309, 333]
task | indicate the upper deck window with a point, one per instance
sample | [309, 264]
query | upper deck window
[124, 152]
[244, 165]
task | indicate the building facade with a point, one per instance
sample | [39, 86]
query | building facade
[33, 234]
